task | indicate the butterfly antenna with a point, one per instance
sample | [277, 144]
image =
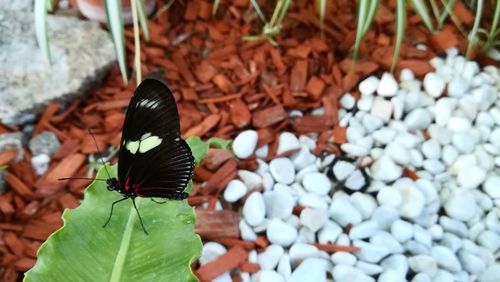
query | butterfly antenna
[140, 218]
[81, 178]
[111, 212]
[98, 150]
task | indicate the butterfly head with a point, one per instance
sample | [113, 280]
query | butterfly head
[112, 184]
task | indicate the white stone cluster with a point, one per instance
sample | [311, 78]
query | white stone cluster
[442, 227]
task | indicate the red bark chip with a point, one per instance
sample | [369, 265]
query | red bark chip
[226, 262]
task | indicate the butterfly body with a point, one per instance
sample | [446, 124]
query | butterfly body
[153, 161]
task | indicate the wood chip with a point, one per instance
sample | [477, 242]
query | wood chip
[217, 223]
[269, 116]
[226, 262]
[18, 186]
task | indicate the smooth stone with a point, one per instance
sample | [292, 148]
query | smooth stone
[489, 239]
[388, 86]
[301, 251]
[418, 119]
[384, 135]
[365, 103]
[344, 213]
[443, 276]
[431, 149]
[433, 84]
[421, 277]
[44, 143]
[369, 268]
[267, 181]
[406, 75]
[234, 191]
[450, 154]
[282, 170]
[423, 264]
[405, 138]
[347, 101]
[398, 153]
[492, 186]
[244, 144]
[422, 236]
[312, 200]
[389, 196]
[269, 258]
[246, 232]
[343, 258]
[464, 142]
[433, 166]
[446, 258]
[254, 209]
[459, 124]
[457, 87]
[391, 276]
[384, 169]
[317, 183]
[397, 262]
[311, 270]
[454, 226]
[354, 133]
[471, 177]
[354, 149]
[363, 230]
[303, 158]
[287, 142]
[270, 276]
[470, 262]
[284, 266]
[364, 203]
[262, 152]
[413, 198]
[402, 230]
[491, 274]
[398, 105]
[443, 110]
[251, 179]
[416, 248]
[342, 169]
[385, 216]
[460, 205]
[314, 219]
[40, 163]
[369, 252]
[383, 238]
[279, 202]
[495, 137]
[371, 123]
[262, 167]
[347, 273]
[280, 233]
[210, 251]
[329, 233]
[369, 85]
[303, 172]
[382, 109]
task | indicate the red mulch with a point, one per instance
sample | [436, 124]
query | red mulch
[222, 85]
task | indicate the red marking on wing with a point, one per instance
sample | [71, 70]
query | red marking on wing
[127, 182]
[136, 189]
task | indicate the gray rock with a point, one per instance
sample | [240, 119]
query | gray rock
[82, 53]
[12, 141]
[44, 143]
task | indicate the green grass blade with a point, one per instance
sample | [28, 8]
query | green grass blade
[495, 28]
[400, 30]
[473, 39]
[115, 22]
[258, 10]
[361, 16]
[50, 5]
[40, 14]
[448, 6]
[283, 11]
[82, 250]
[143, 19]
[321, 11]
[421, 9]
[370, 15]
[215, 7]
[137, 43]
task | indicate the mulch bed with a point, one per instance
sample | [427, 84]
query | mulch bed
[222, 85]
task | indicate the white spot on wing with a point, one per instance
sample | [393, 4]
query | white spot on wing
[149, 143]
[133, 146]
[148, 104]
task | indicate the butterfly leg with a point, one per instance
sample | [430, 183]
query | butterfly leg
[111, 213]
[140, 218]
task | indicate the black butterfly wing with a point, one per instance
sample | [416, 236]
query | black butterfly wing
[153, 161]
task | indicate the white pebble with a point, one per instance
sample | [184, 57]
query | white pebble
[251, 179]
[301, 251]
[311, 270]
[388, 86]
[329, 233]
[431, 149]
[210, 251]
[402, 230]
[381, 108]
[369, 85]
[369, 252]
[246, 232]
[282, 170]
[391, 276]
[317, 182]
[343, 212]
[347, 273]
[244, 144]
[281, 233]
[279, 202]
[398, 153]
[423, 264]
[270, 276]
[313, 219]
[471, 176]
[347, 101]
[254, 209]
[460, 205]
[418, 119]
[287, 142]
[446, 258]
[492, 186]
[343, 258]
[270, 257]
[434, 85]
[384, 135]
[363, 230]
[389, 196]
[384, 169]
[354, 150]
[303, 158]
[284, 267]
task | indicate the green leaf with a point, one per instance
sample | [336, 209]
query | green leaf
[421, 9]
[143, 19]
[258, 10]
[448, 10]
[84, 251]
[400, 30]
[473, 39]
[367, 9]
[115, 22]
[215, 7]
[40, 14]
[199, 148]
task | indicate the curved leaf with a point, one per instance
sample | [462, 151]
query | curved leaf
[84, 251]
[40, 13]
[115, 22]
[400, 30]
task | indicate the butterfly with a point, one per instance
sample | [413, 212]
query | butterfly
[153, 161]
